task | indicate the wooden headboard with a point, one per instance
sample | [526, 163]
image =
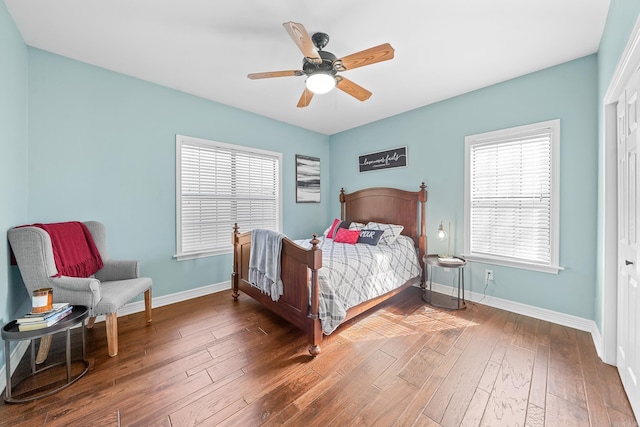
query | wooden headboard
[390, 206]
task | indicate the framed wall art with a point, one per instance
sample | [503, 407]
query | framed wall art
[307, 179]
[394, 158]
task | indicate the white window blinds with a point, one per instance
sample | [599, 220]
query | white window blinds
[512, 196]
[219, 185]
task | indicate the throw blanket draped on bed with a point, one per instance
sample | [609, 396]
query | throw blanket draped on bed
[74, 251]
[264, 262]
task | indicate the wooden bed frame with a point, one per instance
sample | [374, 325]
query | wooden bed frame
[300, 266]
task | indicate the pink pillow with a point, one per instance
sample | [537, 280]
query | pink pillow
[345, 235]
[333, 227]
[333, 230]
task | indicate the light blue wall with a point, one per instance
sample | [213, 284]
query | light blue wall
[434, 136]
[622, 16]
[102, 146]
[13, 158]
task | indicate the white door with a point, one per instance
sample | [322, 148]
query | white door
[628, 353]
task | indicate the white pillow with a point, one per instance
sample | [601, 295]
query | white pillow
[391, 231]
[356, 226]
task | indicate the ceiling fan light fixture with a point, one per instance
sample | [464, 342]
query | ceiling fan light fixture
[320, 82]
[321, 66]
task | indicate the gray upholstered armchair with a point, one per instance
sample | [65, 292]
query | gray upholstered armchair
[115, 284]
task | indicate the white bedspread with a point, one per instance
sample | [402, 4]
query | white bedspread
[352, 274]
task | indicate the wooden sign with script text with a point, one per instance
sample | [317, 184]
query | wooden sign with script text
[393, 158]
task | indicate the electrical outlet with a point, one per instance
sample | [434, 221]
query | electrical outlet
[488, 276]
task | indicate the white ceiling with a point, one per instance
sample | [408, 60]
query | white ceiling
[206, 48]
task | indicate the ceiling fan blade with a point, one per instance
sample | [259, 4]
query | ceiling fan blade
[353, 89]
[269, 74]
[305, 99]
[384, 52]
[301, 37]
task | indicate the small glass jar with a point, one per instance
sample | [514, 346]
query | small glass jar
[42, 300]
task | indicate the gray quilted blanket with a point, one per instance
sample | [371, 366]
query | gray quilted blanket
[352, 274]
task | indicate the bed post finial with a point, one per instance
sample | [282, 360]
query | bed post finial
[343, 200]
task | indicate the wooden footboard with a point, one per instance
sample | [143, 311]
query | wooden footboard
[299, 267]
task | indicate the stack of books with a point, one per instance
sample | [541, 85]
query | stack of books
[33, 321]
[450, 260]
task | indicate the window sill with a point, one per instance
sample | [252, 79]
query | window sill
[195, 255]
[552, 269]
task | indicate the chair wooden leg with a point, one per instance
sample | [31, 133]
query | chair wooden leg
[112, 333]
[43, 349]
[91, 322]
[147, 304]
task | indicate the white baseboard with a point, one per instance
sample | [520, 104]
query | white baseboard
[515, 307]
[130, 308]
[138, 306]
[531, 311]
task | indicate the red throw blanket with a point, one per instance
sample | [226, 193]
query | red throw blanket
[74, 251]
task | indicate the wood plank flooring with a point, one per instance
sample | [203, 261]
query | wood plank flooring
[211, 361]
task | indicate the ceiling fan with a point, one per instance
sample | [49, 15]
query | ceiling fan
[321, 67]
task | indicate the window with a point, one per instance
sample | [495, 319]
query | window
[218, 185]
[512, 196]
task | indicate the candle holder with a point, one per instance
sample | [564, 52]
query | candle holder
[42, 300]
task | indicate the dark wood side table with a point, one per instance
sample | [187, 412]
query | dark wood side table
[10, 333]
[441, 300]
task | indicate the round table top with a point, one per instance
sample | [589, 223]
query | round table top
[10, 331]
[451, 261]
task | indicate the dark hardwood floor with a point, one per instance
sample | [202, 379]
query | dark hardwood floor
[211, 361]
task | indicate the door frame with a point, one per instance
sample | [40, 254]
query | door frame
[628, 63]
